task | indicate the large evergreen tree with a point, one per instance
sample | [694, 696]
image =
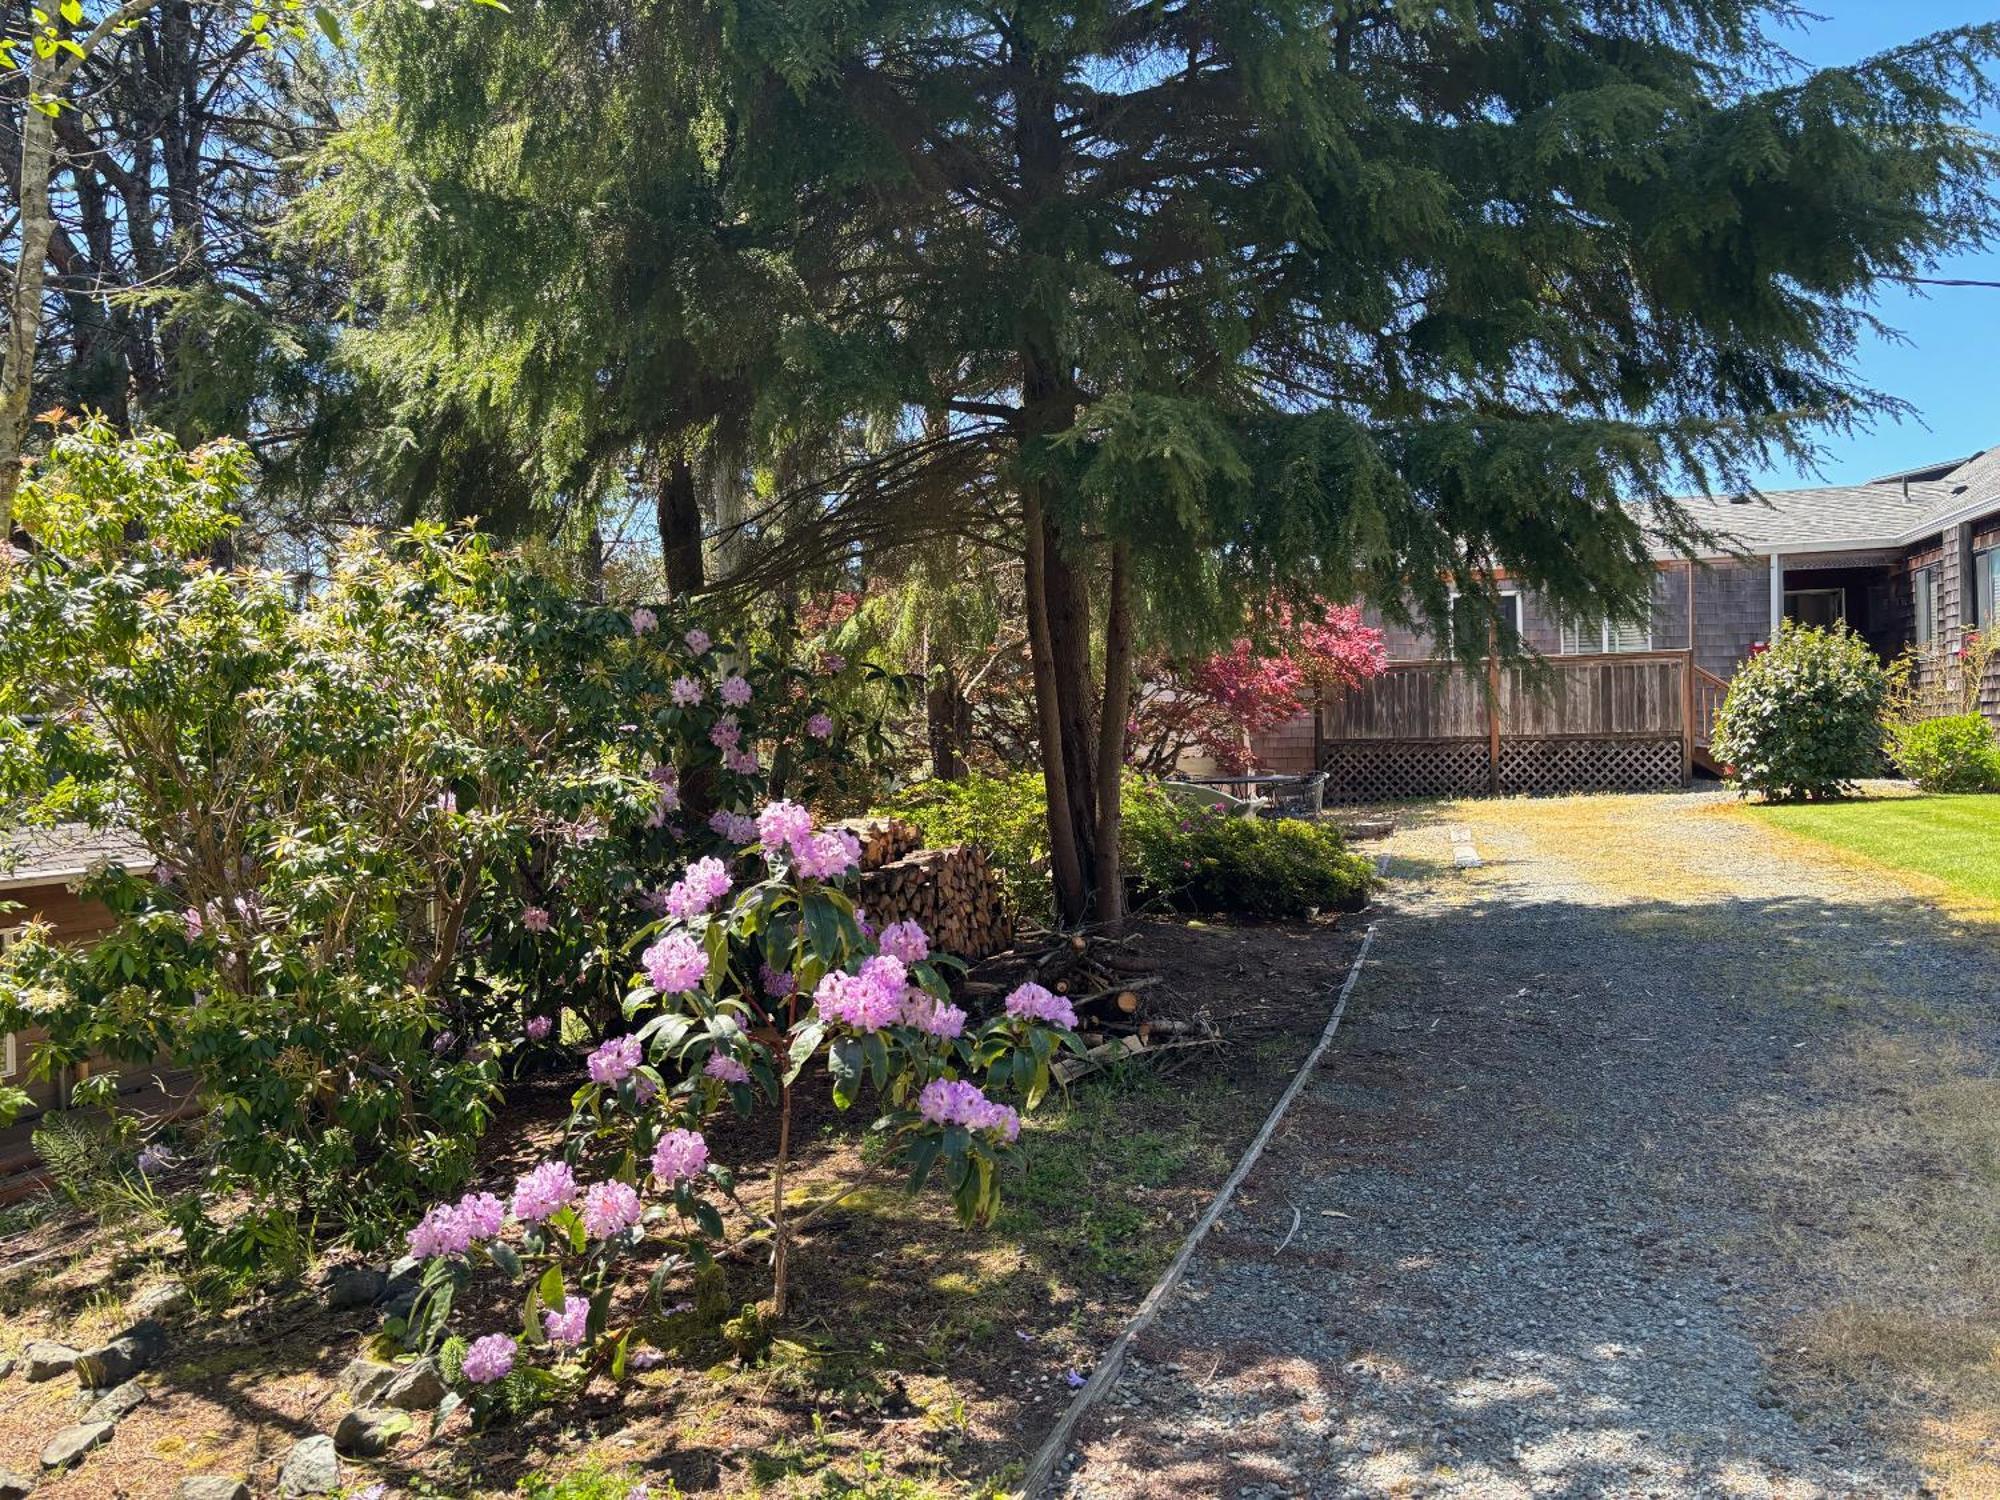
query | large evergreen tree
[1225, 300]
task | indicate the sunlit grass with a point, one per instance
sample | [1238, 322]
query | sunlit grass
[1951, 841]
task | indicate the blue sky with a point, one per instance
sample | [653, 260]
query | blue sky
[1946, 369]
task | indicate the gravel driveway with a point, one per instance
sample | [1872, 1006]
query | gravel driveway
[1575, 1191]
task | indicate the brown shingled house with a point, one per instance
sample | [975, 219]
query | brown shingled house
[40, 870]
[1907, 559]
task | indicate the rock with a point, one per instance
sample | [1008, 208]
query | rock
[400, 1295]
[46, 1360]
[212, 1487]
[370, 1431]
[68, 1446]
[364, 1379]
[311, 1468]
[6, 1366]
[416, 1387]
[116, 1402]
[125, 1356]
[355, 1286]
[14, 1486]
[167, 1301]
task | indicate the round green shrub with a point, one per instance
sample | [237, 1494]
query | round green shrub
[1804, 719]
[1177, 858]
[1957, 753]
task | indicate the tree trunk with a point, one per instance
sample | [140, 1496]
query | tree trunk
[680, 529]
[1069, 640]
[943, 712]
[1065, 858]
[781, 1244]
[24, 310]
[1111, 737]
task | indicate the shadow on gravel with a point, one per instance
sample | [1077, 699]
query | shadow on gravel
[1592, 1199]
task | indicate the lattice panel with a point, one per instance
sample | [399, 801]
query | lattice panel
[1391, 771]
[1382, 771]
[1552, 767]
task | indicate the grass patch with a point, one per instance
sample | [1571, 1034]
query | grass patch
[1951, 841]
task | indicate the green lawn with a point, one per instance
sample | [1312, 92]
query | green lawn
[1953, 840]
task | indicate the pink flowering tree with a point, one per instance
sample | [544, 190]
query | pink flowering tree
[1215, 703]
[757, 969]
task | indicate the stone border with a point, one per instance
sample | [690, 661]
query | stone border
[1048, 1459]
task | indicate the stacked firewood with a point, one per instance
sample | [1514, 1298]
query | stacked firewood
[951, 893]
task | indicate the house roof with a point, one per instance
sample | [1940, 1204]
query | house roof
[1896, 510]
[68, 851]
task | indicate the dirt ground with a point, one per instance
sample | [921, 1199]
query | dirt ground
[1660, 1157]
[923, 1361]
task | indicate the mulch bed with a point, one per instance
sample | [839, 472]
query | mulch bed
[919, 1353]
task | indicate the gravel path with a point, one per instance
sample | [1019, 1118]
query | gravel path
[1549, 1237]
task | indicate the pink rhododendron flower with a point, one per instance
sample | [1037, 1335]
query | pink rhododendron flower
[725, 733]
[609, 1208]
[742, 762]
[697, 640]
[675, 964]
[447, 802]
[867, 1001]
[827, 855]
[680, 1156]
[544, 1192]
[705, 883]
[644, 621]
[820, 726]
[539, 1027]
[778, 983]
[489, 1359]
[439, 1232]
[481, 1215]
[738, 828]
[728, 1069]
[861, 921]
[783, 825]
[644, 1091]
[956, 1102]
[906, 941]
[613, 1060]
[1036, 1003]
[567, 1326]
[735, 690]
[192, 924]
[686, 691]
[535, 919]
[832, 663]
[931, 1015]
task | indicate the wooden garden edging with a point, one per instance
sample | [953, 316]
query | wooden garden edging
[1050, 1455]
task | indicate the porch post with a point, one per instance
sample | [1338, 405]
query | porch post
[1777, 596]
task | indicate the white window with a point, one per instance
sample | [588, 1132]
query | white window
[1986, 577]
[1587, 637]
[1923, 599]
[1474, 607]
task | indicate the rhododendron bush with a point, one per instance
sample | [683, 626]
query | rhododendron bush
[760, 969]
[400, 821]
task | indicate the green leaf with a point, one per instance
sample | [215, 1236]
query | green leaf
[329, 23]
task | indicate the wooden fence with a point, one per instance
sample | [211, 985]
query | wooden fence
[1630, 721]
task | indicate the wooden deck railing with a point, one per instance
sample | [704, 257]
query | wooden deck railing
[1641, 698]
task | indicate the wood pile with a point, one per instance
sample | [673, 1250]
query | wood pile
[951, 893]
[883, 840]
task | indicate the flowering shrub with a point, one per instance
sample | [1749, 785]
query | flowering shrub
[1804, 719]
[1956, 753]
[748, 980]
[401, 822]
